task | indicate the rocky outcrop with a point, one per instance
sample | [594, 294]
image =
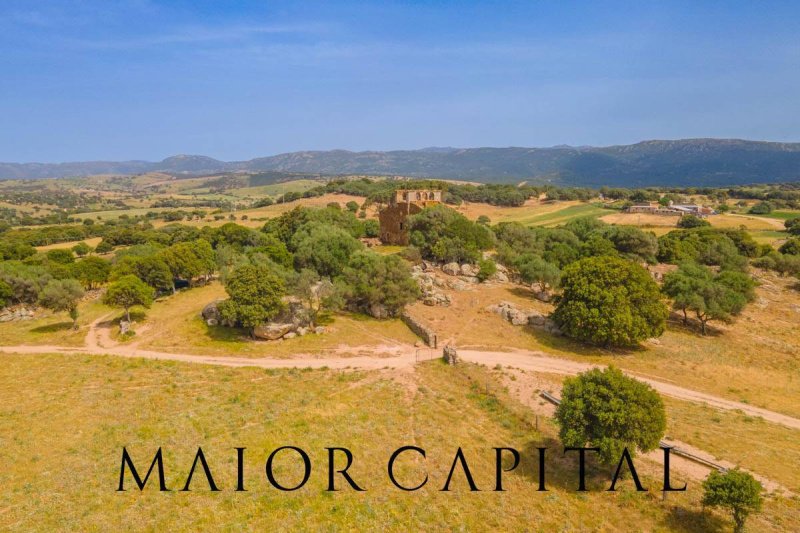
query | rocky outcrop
[15, 313]
[428, 288]
[211, 314]
[273, 330]
[453, 269]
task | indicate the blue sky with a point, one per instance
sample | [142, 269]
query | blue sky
[138, 79]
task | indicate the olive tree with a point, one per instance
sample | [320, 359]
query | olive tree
[62, 295]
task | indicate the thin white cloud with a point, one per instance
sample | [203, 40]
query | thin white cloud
[195, 35]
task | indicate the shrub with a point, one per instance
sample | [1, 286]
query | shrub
[692, 221]
[735, 490]
[487, 269]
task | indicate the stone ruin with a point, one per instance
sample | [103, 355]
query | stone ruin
[394, 217]
[518, 317]
[450, 355]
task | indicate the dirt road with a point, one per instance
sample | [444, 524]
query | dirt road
[99, 342]
[398, 358]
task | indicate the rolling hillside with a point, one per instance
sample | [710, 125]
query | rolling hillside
[698, 162]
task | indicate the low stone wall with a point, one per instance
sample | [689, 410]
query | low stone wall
[426, 333]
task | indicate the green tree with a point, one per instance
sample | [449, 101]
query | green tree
[81, 249]
[632, 242]
[793, 226]
[692, 221]
[128, 291]
[611, 411]
[443, 234]
[6, 293]
[352, 206]
[696, 288]
[609, 301]
[486, 269]
[60, 256]
[534, 269]
[372, 228]
[372, 281]
[483, 220]
[62, 295]
[92, 271]
[737, 491]
[761, 208]
[255, 296]
[790, 247]
[325, 249]
[104, 247]
[189, 260]
[150, 268]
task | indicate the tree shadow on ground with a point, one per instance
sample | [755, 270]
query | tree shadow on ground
[692, 326]
[226, 334]
[567, 344]
[694, 520]
[562, 470]
[522, 292]
[53, 328]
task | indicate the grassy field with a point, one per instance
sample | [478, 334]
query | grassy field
[746, 441]
[61, 452]
[48, 328]
[754, 360]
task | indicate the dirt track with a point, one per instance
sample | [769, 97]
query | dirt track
[535, 361]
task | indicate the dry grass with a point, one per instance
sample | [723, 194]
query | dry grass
[754, 360]
[53, 329]
[748, 442]
[93, 242]
[61, 449]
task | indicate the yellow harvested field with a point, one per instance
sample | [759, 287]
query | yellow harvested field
[93, 242]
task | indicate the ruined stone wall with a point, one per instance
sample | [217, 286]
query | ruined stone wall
[425, 333]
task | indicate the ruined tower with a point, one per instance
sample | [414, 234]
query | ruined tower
[394, 217]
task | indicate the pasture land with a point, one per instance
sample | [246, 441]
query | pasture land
[62, 448]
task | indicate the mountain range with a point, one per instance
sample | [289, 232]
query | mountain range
[686, 162]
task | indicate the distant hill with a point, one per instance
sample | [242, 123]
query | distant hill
[697, 162]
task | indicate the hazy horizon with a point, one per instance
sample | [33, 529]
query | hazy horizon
[423, 148]
[144, 80]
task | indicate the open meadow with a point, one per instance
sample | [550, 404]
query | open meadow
[62, 449]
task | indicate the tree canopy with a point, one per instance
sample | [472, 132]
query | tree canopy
[443, 234]
[611, 411]
[737, 491]
[128, 291]
[609, 301]
[255, 293]
[372, 279]
[710, 296]
[62, 295]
